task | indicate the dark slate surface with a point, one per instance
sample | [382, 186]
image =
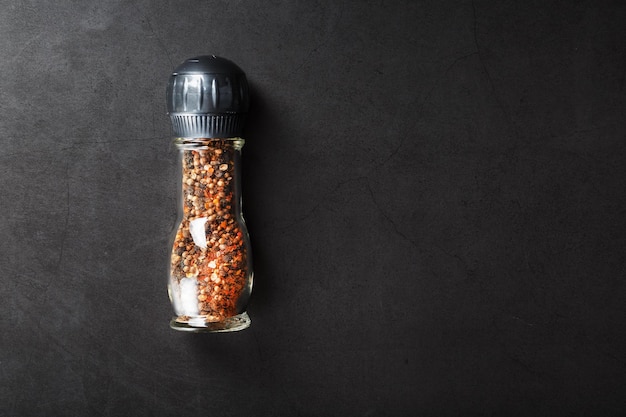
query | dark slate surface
[435, 193]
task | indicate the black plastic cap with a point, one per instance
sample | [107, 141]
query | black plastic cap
[207, 97]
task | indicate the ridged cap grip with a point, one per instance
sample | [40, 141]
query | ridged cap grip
[207, 97]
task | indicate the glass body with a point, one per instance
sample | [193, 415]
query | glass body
[210, 277]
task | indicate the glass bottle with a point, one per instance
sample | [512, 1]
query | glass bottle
[210, 273]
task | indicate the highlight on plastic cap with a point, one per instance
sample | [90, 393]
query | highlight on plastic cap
[207, 97]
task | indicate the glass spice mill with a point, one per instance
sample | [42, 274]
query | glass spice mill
[210, 276]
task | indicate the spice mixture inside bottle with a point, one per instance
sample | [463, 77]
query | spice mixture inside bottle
[209, 271]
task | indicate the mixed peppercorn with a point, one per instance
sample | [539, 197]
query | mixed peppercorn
[210, 260]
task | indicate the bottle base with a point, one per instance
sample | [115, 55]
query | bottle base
[201, 325]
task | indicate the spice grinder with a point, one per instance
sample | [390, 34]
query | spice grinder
[210, 268]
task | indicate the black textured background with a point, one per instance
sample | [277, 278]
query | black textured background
[435, 193]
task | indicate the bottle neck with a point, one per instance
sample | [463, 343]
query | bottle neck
[209, 143]
[211, 178]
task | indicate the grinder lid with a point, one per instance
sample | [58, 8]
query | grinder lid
[207, 97]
